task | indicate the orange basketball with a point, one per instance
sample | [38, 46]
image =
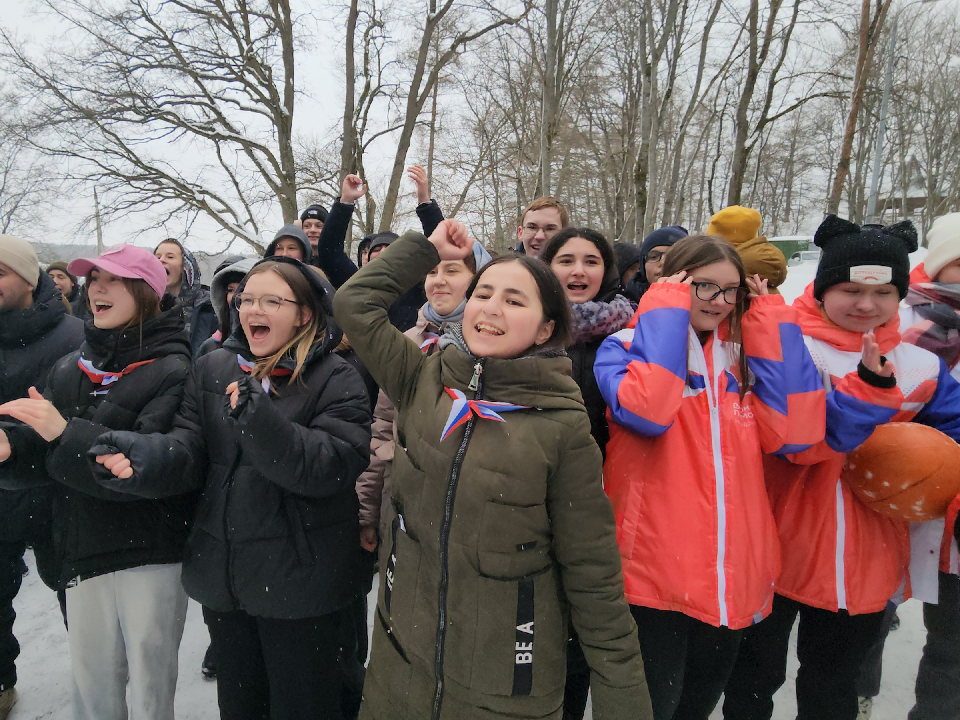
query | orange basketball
[905, 471]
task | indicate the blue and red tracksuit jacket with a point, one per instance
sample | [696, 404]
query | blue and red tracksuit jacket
[684, 467]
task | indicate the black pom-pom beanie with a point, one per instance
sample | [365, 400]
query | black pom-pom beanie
[871, 255]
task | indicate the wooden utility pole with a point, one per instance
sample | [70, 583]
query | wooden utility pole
[96, 214]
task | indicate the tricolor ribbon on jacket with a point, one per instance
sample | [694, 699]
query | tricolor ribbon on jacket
[248, 367]
[105, 379]
[463, 409]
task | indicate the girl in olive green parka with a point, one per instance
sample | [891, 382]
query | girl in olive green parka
[499, 527]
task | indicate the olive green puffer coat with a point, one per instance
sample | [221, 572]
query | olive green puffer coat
[494, 532]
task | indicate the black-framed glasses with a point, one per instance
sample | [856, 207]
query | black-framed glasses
[655, 256]
[269, 304]
[548, 231]
[708, 292]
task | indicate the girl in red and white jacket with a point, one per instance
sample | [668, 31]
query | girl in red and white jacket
[841, 561]
[697, 390]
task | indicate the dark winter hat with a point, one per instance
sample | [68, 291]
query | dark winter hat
[662, 237]
[62, 267]
[870, 255]
[380, 239]
[314, 212]
[626, 255]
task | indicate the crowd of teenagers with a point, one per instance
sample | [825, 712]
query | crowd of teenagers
[578, 468]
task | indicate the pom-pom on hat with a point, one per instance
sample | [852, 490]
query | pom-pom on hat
[127, 261]
[943, 240]
[870, 255]
[735, 224]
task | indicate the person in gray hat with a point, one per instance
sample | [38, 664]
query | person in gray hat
[35, 332]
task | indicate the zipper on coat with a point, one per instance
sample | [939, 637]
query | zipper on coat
[476, 384]
[713, 399]
[226, 524]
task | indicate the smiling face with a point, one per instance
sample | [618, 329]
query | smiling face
[15, 292]
[267, 333]
[312, 229]
[62, 281]
[860, 308]
[706, 315]
[110, 301]
[288, 247]
[504, 317]
[171, 257]
[446, 285]
[537, 227]
[579, 268]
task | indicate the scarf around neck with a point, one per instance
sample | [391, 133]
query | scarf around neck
[453, 336]
[455, 316]
[939, 331]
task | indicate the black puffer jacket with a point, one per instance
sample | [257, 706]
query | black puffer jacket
[583, 353]
[97, 531]
[31, 341]
[276, 532]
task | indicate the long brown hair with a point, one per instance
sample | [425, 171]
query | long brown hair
[146, 303]
[697, 251]
[301, 342]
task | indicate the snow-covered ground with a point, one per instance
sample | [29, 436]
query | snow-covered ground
[44, 665]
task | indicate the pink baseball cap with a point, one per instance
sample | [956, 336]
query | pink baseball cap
[126, 261]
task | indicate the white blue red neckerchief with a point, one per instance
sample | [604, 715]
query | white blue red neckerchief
[104, 379]
[429, 339]
[463, 409]
[248, 368]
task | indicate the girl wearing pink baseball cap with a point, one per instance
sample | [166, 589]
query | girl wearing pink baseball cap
[118, 556]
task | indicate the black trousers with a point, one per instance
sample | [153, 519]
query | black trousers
[687, 662]
[577, 689]
[271, 669]
[938, 679]
[11, 575]
[831, 647]
[871, 672]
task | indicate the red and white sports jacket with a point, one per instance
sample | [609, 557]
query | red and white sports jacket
[835, 552]
[684, 469]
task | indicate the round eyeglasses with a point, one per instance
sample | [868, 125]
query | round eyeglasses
[269, 304]
[708, 292]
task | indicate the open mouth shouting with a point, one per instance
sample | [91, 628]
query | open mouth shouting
[101, 306]
[259, 332]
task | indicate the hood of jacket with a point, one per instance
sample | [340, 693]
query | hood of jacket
[115, 349]
[291, 231]
[815, 323]
[237, 342]
[610, 285]
[763, 258]
[234, 272]
[192, 293]
[19, 328]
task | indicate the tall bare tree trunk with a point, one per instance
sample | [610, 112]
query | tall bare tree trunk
[348, 150]
[548, 114]
[288, 169]
[869, 34]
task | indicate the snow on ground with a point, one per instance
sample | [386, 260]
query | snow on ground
[44, 665]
